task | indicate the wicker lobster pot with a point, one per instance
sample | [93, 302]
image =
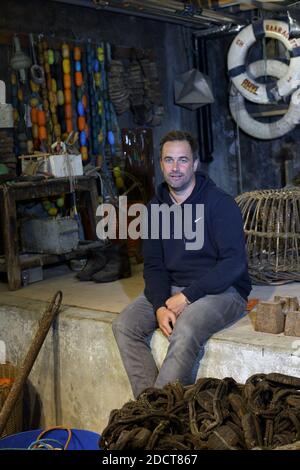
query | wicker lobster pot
[272, 229]
[15, 421]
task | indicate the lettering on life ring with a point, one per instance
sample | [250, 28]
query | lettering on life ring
[258, 129]
[237, 56]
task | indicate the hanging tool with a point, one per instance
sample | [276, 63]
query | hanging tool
[36, 71]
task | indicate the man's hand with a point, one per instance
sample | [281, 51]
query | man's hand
[177, 303]
[165, 319]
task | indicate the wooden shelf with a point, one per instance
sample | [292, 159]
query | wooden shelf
[12, 192]
[31, 260]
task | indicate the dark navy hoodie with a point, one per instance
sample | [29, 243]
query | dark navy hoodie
[218, 265]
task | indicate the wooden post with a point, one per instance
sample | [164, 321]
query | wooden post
[10, 238]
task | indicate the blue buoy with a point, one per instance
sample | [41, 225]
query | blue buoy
[111, 137]
[96, 65]
[82, 138]
[80, 108]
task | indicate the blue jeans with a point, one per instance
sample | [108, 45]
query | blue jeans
[134, 327]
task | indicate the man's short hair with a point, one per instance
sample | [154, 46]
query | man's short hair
[172, 136]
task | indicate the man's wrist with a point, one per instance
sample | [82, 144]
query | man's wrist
[162, 306]
[186, 299]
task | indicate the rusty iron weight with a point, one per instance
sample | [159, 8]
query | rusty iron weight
[41, 333]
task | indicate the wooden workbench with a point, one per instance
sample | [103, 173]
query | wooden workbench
[13, 192]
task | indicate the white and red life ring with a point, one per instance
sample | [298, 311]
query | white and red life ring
[259, 129]
[237, 55]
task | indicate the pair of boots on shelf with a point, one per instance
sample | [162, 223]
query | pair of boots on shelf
[106, 264]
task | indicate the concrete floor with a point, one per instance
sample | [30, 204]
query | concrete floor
[78, 377]
[113, 296]
[109, 297]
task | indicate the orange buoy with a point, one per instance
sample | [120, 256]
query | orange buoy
[41, 117]
[42, 133]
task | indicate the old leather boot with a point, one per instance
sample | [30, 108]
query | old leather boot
[96, 261]
[117, 266]
[109, 273]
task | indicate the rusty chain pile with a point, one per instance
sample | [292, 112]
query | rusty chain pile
[212, 414]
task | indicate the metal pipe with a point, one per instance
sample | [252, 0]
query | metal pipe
[155, 16]
[167, 4]
[218, 31]
[171, 11]
[204, 121]
[211, 14]
[178, 9]
[156, 13]
[143, 5]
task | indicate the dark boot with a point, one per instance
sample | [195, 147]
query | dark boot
[96, 261]
[111, 272]
[117, 266]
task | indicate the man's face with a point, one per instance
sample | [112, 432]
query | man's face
[177, 164]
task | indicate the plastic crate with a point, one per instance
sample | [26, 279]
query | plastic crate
[15, 421]
[50, 235]
[59, 166]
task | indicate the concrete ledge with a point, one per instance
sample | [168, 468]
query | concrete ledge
[78, 377]
[239, 352]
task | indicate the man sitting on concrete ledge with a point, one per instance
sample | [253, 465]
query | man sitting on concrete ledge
[195, 271]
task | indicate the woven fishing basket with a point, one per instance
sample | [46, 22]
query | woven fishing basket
[272, 229]
[15, 421]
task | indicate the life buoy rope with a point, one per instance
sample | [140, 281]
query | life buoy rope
[237, 55]
[259, 129]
